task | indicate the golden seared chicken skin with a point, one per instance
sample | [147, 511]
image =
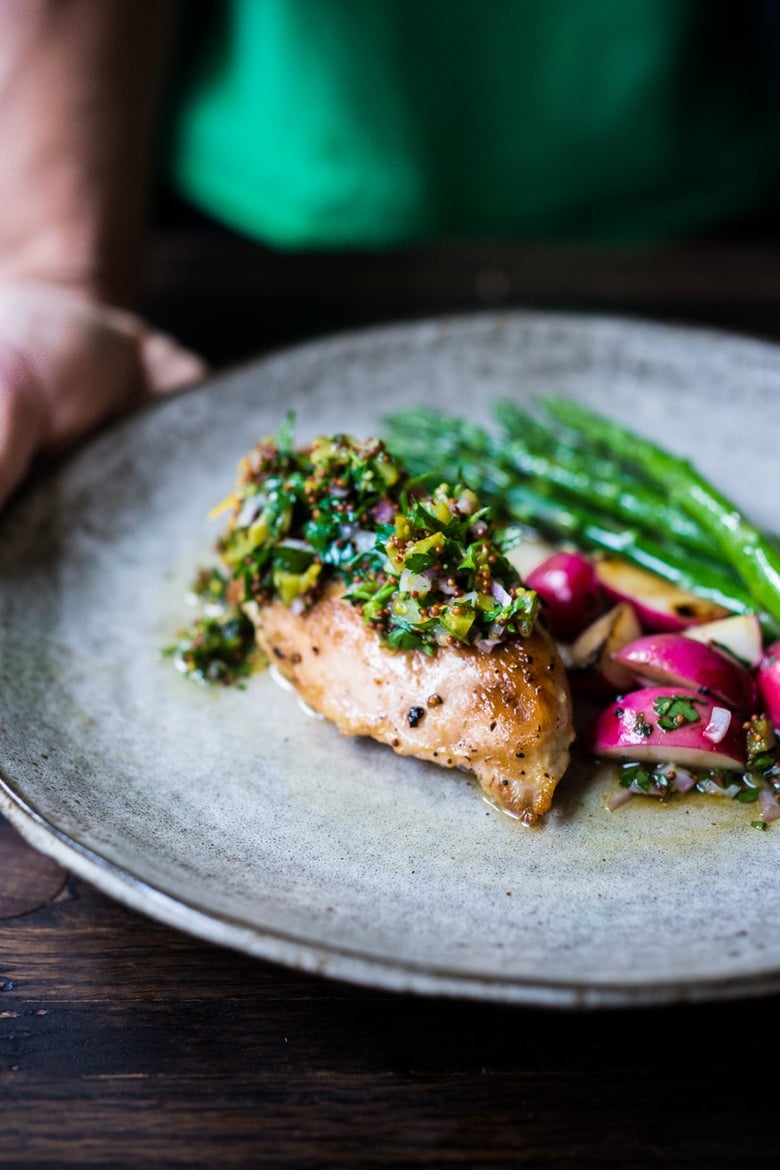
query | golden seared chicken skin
[505, 715]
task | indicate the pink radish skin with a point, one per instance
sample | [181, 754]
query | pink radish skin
[660, 605]
[675, 660]
[567, 584]
[618, 733]
[768, 675]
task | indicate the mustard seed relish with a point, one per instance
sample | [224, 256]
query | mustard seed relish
[421, 564]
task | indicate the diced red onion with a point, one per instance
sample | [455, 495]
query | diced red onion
[384, 512]
[621, 797]
[213, 609]
[500, 594]
[467, 503]
[410, 582]
[712, 788]
[720, 721]
[684, 780]
[250, 509]
[768, 805]
[361, 538]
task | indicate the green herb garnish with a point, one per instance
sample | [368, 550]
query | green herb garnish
[219, 645]
[675, 711]
[417, 559]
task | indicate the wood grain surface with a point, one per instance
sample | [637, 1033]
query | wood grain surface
[28, 880]
[125, 1044]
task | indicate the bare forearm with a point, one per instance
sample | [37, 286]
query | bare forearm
[78, 87]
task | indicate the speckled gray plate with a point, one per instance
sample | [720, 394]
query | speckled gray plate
[235, 816]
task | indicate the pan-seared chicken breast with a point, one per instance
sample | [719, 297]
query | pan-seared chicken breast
[503, 715]
[388, 605]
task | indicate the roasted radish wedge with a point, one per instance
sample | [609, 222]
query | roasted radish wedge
[660, 604]
[675, 660]
[528, 551]
[593, 656]
[739, 635]
[569, 591]
[768, 674]
[671, 725]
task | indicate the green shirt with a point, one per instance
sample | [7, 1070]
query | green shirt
[331, 123]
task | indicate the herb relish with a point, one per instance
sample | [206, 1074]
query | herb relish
[759, 783]
[419, 561]
[219, 646]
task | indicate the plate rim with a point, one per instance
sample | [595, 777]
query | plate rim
[333, 960]
[352, 966]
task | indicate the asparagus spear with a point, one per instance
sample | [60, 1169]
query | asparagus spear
[454, 447]
[430, 441]
[450, 448]
[590, 530]
[752, 555]
[519, 424]
[599, 483]
[553, 502]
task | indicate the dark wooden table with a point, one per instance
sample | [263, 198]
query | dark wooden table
[126, 1044]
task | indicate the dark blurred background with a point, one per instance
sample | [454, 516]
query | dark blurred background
[233, 299]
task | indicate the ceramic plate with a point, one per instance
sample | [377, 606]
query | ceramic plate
[237, 817]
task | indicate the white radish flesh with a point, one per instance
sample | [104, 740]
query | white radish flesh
[528, 553]
[739, 634]
[660, 604]
[593, 652]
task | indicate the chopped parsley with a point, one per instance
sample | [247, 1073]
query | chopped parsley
[759, 782]
[675, 711]
[418, 559]
[219, 645]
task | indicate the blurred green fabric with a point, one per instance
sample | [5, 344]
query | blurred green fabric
[333, 123]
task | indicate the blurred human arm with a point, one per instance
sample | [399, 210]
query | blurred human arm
[79, 82]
